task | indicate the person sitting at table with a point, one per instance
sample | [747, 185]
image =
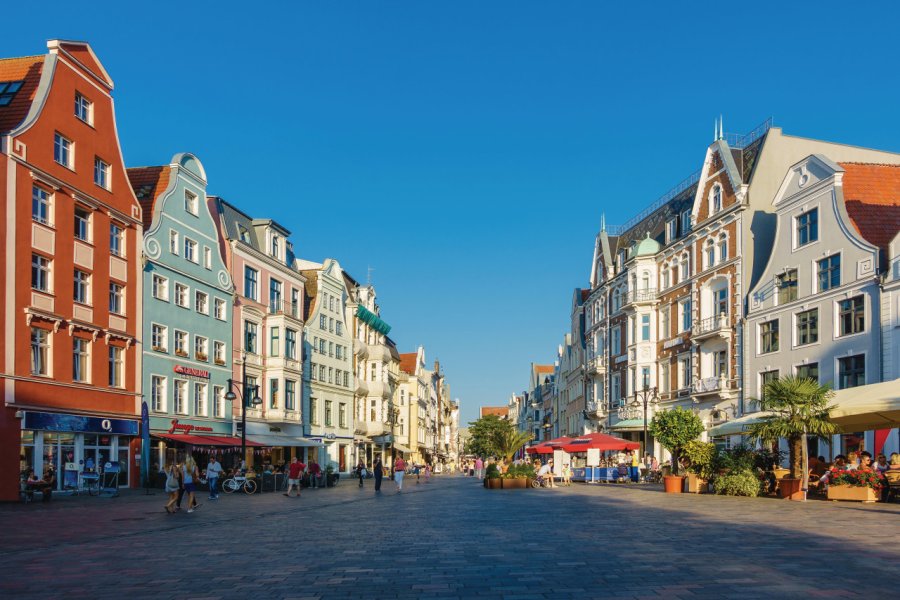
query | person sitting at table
[840, 464]
[43, 485]
[895, 461]
[881, 465]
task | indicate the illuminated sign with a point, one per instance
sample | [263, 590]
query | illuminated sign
[191, 371]
[187, 427]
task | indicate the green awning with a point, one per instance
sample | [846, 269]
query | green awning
[370, 318]
[629, 425]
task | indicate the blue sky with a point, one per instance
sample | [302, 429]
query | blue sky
[466, 150]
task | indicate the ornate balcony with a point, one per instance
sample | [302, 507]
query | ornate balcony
[717, 326]
[645, 296]
[710, 386]
[597, 365]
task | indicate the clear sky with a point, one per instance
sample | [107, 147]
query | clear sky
[465, 150]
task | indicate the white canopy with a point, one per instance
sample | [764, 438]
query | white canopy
[284, 440]
[737, 426]
[875, 406]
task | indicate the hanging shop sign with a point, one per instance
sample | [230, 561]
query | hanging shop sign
[66, 422]
[190, 371]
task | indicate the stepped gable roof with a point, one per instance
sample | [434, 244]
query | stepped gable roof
[148, 183]
[872, 198]
[16, 100]
[408, 362]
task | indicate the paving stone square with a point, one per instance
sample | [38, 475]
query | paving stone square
[451, 538]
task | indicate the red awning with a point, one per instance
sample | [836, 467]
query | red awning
[203, 440]
[600, 441]
[549, 446]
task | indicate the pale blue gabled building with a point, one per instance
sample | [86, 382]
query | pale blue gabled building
[187, 313]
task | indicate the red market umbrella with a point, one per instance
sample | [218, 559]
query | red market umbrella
[600, 441]
[549, 446]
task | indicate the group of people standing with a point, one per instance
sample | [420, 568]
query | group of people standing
[182, 477]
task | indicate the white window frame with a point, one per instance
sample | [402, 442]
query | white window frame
[201, 399]
[219, 353]
[180, 393]
[160, 287]
[116, 240]
[191, 203]
[159, 385]
[174, 247]
[204, 309]
[191, 250]
[102, 173]
[63, 151]
[220, 309]
[159, 332]
[186, 303]
[84, 109]
[181, 350]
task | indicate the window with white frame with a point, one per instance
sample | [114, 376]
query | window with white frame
[181, 295]
[852, 371]
[116, 367]
[768, 336]
[179, 396]
[84, 109]
[158, 393]
[829, 272]
[807, 227]
[671, 230]
[160, 287]
[274, 341]
[220, 309]
[808, 371]
[685, 222]
[765, 378]
[81, 287]
[250, 333]
[190, 250]
[290, 344]
[684, 315]
[276, 246]
[313, 371]
[807, 323]
[615, 382]
[251, 282]
[720, 300]
[81, 370]
[720, 363]
[181, 343]
[40, 273]
[82, 224]
[664, 382]
[218, 401]
[63, 151]
[665, 276]
[723, 247]
[709, 253]
[665, 323]
[616, 340]
[40, 205]
[117, 298]
[684, 372]
[207, 257]
[159, 338]
[787, 286]
[645, 328]
[116, 240]
[201, 348]
[40, 351]
[274, 392]
[715, 201]
[101, 173]
[200, 390]
[219, 353]
[190, 202]
[201, 302]
[851, 315]
[290, 394]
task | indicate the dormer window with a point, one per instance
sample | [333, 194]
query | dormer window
[685, 222]
[276, 246]
[8, 91]
[715, 202]
[245, 235]
[671, 230]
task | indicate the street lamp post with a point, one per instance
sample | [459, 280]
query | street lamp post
[645, 397]
[243, 393]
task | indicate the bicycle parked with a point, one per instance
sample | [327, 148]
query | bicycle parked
[233, 484]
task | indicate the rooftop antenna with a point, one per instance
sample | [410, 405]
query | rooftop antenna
[369, 276]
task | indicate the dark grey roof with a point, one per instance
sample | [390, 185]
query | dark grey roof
[235, 222]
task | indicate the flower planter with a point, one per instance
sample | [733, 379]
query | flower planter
[790, 489]
[695, 484]
[514, 483]
[493, 484]
[852, 492]
[673, 483]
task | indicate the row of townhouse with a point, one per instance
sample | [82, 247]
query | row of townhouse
[144, 289]
[779, 256]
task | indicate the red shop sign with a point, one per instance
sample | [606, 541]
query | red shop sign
[191, 371]
[186, 427]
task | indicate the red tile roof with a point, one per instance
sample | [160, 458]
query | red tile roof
[27, 69]
[408, 362]
[148, 183]
[872, 197]
[500, 411]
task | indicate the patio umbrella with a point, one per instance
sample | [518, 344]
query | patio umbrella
[599, 441]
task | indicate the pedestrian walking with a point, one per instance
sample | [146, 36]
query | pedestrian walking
[379, 474]
[427, 473]
[416, 473]
[213, 470]
[173, 485]
[635, 466]
[295, 472]
[360, 471]
[314, 471]
[189, 475]
[479, 468]
[399, 469]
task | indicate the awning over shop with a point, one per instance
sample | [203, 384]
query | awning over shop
[401, 448]
[629, 425]
[373, 320]
[875, 406]
[194, 440]
[283, 441]
[599, 441]
[737, 426]
[549, 446]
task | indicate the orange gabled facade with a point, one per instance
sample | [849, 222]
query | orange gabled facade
[70, 272]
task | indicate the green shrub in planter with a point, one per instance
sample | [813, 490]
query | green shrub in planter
[699, 457]
[492, 472]
[742, 483]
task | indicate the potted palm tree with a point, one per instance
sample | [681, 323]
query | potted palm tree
[507, 443]
[798, 407]
[674, 429]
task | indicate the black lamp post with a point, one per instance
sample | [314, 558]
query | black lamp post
[645, 396]
[244, 392]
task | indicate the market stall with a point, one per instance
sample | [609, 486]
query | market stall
[590, 460]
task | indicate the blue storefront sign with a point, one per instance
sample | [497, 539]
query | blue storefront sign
[78, 423]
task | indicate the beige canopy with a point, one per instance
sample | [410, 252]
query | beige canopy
[875, 406]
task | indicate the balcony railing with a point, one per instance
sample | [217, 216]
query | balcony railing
[282, 307]
[646, 295]
[710, 324]
[596, 364]
[709, 385]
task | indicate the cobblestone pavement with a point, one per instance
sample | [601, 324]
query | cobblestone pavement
[451, 538]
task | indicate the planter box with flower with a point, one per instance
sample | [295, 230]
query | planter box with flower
[492, 477]
[202, 356]
[220, 362]
[516, 477]
[860, 486]
[182, 354]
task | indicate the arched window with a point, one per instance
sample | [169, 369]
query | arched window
[710, 253]
[685, 266]
[723, 247]
[715, 201]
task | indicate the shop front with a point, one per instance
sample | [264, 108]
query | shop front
[75, 444]
[201, 438]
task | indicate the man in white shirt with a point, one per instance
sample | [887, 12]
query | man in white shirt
[213, 470]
